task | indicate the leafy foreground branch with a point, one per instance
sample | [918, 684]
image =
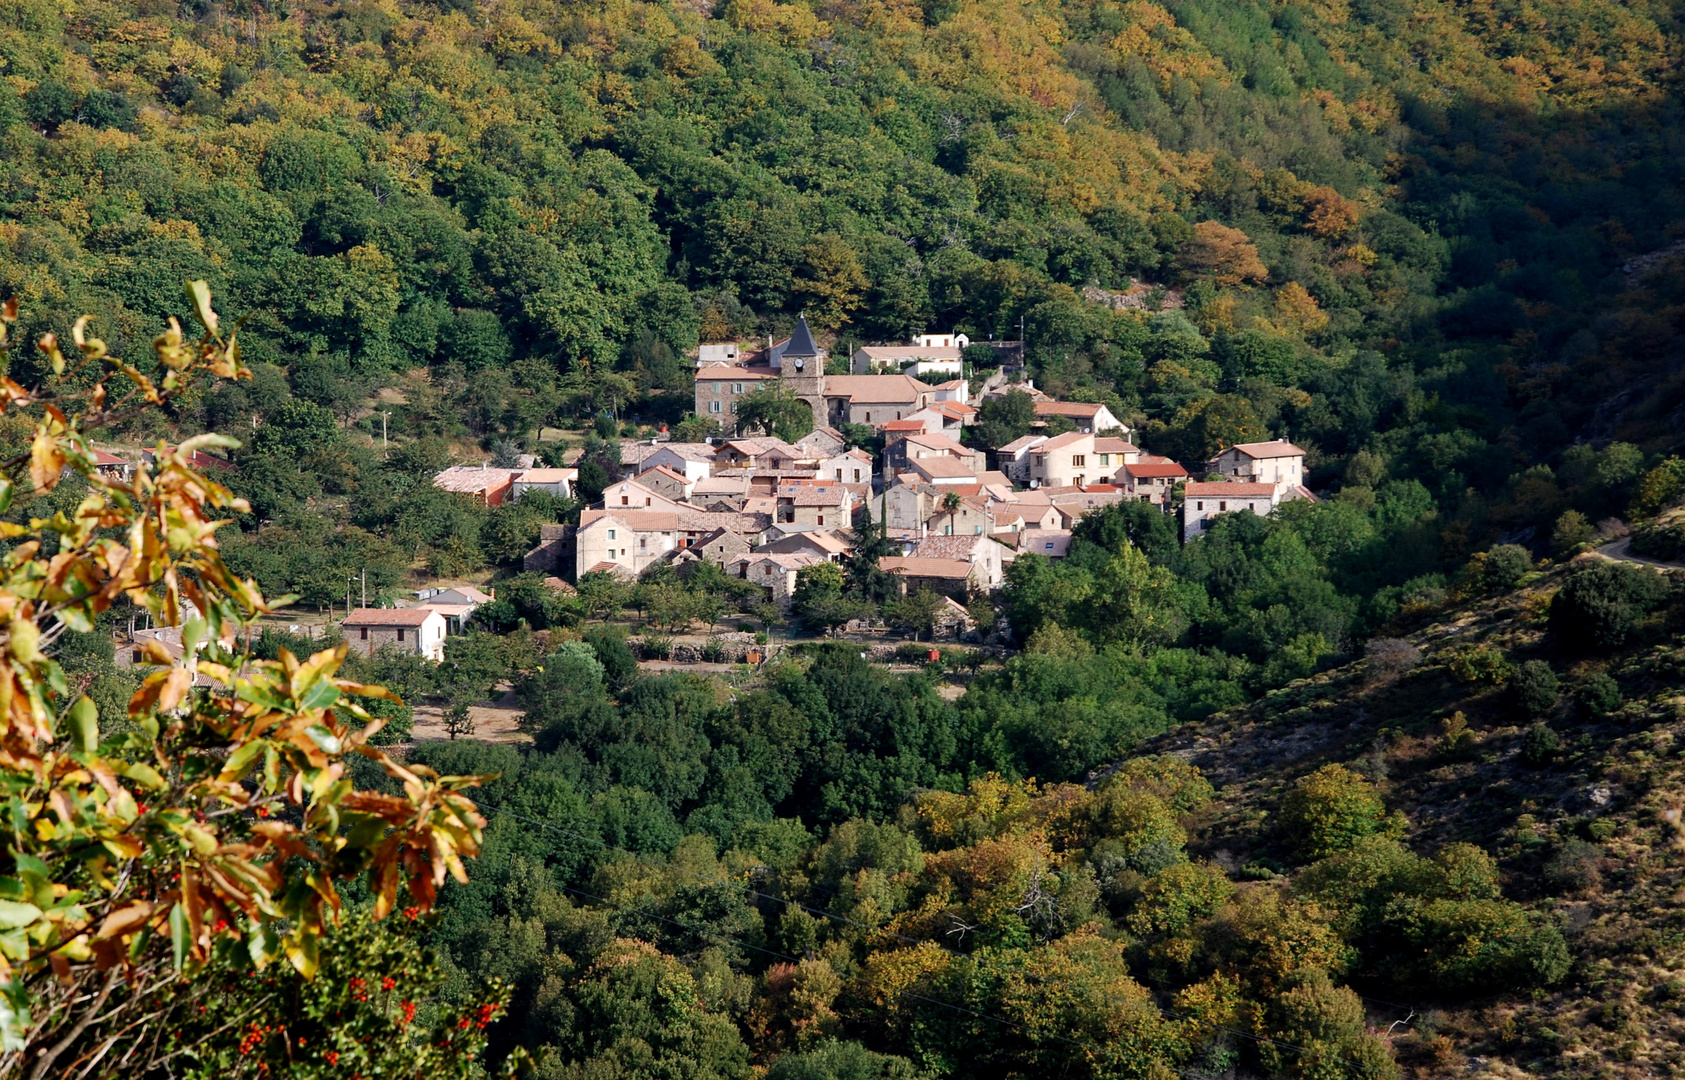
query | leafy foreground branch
[155, 870]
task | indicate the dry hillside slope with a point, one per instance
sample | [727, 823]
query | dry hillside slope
[1588, 832]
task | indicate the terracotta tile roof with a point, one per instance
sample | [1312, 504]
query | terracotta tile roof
[937, 441]
[547, 476]
[636, 519]
[1112, 445]
[1219, 490]
[730, 373]
[910, 352]
[1054, 543]
[1059, 442]
[820, 496]
[1278, 448]
[902, 425]
[690, 451]
[473, 479]
[1023, 442]
[1150, 469]
[910, 566]
[663, 471]
[1066, 408]
[414, 616]
[875, 389]
[960, 546]
[942, 468]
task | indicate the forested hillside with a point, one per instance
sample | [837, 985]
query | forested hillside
[1436, 245]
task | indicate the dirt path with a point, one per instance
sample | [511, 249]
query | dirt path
[494, 722]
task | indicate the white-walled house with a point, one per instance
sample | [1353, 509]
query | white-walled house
[849, 467]
[693, 461]
[1089, 418]
[1065, 461]
[558, 482]
[1278, 463]
[631, 495]
[417, 630]
[1203, 501]
[630, 539]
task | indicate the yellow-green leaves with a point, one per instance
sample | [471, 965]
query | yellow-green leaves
[227, 808]
[83, 725]
[46, 457]
[200, 293]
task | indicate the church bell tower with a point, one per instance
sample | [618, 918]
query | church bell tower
[802, 368]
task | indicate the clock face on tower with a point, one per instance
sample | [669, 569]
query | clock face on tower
[800, 363]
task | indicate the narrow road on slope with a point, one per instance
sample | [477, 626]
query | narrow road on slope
[1620, 551]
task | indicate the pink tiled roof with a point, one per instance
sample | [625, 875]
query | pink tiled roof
[1220, 490]
[1278, 448]
[389, 616]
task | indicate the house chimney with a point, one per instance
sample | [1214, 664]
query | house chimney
[492, 593]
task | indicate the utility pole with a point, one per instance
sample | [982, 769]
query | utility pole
[365, 593]
[348, 581]
[383, 415]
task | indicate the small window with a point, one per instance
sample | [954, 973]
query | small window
[625, 501]
[1050, 545]
[737, 388]
[713, 406]
[856, 476]
[1079, 460]
[363, 632]
[1199, 506]
[1103, 460]
[648, 501]
[400, 633]
[611, 534]
[1222, 506]
[821, 519]
[139, 656]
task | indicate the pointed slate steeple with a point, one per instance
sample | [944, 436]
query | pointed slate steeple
[801, 341]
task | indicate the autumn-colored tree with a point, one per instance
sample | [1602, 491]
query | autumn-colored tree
[213, 823]
[1225, 254]
[833, 280]
[1296, 310]
[1329, 214]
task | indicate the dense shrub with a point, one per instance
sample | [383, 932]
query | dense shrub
[1315, 1030]
[1534, 689]
[1504, 567]
[1539, 745]
[1329, 811]
[837, 1060]
[1597, 696]
[1479, 664]
[1602, 605]
[1439, 924]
